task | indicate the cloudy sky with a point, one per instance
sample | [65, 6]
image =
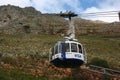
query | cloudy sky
[77, 6]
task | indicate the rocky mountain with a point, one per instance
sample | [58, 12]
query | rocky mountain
[96, 27]
[16, 20]
[27, 20]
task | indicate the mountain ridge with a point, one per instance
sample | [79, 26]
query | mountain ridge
[16, 20]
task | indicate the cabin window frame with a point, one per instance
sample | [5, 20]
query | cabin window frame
[65, 47]
[80, 48]
[59, 48]
[74, 46]
[56, 49]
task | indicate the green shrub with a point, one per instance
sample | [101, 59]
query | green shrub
[99, 62]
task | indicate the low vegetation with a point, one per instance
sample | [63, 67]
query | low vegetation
[25, 56]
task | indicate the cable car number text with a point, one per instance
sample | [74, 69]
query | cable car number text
[78, 55]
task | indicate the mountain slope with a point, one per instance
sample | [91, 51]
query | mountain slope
[27, 20]
[16, 20]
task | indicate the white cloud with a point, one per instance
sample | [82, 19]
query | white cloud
[105, 5]
[56, 5]
[46, 6]
[110, 4]
[21, 3]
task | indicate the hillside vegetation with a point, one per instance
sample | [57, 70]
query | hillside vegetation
[25, 57]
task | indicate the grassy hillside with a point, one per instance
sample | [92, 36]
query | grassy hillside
[104, 47]
[23, 57]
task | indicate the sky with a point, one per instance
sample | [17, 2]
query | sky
[77, 6]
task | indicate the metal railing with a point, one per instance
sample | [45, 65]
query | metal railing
[105, 71]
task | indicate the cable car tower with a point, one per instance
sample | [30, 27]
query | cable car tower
[68, 53]
[71, 31]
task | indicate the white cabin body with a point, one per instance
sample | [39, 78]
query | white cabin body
[68, 53]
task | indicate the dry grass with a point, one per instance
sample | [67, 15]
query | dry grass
[27, 55]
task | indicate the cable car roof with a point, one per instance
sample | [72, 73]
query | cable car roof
[67, 41]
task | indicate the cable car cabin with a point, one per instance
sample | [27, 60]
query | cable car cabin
[67, 54]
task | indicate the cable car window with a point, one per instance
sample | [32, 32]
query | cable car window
[73, 47]
[65, 47]
[60, 48]
[56, 49]
[52, 50]
[80, 48]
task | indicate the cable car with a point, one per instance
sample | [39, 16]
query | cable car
[68, 53]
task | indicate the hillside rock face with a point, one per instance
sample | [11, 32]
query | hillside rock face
[95, 27]
[16, 20]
